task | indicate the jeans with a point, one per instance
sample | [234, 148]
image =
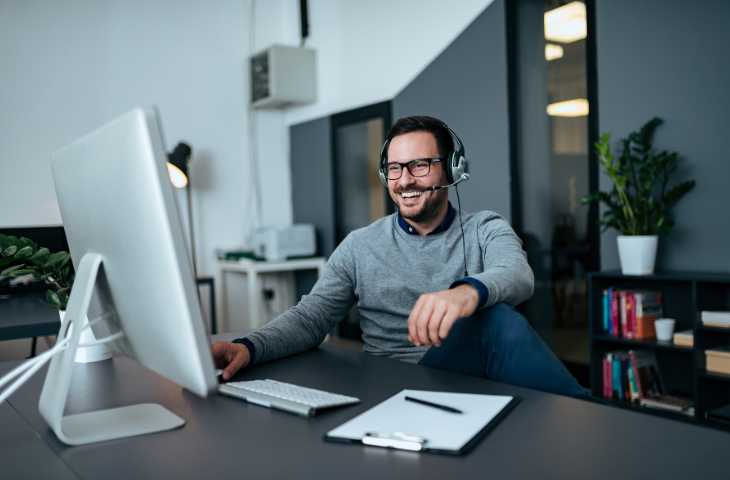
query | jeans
[499, 344]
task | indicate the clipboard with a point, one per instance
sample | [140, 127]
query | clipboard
[406, 425]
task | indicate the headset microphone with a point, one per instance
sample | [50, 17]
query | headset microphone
[464, 176]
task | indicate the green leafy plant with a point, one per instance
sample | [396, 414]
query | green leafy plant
[24, 257]
[639, 202]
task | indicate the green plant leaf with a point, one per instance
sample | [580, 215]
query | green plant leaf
[16, 241]
[46, 275]
[11, 269]
[24, 252]
[55, 258]
[5, 242]
[10, 251]
[64, 272]
[52, 297]
[63, 290]
[6, 260]
[40, 253]
[29, 243]
[24, 271]
[64, 261]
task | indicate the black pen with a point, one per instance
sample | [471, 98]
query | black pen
[434, 405]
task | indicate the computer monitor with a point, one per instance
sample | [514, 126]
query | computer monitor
[132, 271]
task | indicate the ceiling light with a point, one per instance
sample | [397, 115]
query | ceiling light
[571, 108]
[553, 51]
[566, 24]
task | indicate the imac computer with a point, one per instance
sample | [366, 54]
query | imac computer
[133, 275]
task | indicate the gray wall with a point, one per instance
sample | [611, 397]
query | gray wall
[466, 87]
[312, 188]
[670, 59]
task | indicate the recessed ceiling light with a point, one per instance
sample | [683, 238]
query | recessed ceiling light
[570, 108]
[553, 51]
[566, 24]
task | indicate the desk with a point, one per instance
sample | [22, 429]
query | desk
[546, 436]
[23, 316]
[252, 269]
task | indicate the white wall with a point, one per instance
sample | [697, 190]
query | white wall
[369, 51]
[69, 66]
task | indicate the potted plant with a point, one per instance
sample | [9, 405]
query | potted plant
[639, 202]
[22, 256]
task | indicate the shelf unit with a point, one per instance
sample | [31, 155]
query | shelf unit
[685, 295]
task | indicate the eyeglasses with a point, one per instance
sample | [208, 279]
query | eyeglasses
[418, 167]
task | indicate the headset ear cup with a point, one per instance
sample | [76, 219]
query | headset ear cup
[460, 167]
[383, 178]
[450, 164]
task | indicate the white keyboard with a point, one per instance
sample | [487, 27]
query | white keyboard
[285, 396]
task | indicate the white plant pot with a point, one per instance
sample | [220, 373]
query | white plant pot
[637, 253]
[94, 353]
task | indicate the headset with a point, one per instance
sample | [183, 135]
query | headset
[455, 161]
[455, 166]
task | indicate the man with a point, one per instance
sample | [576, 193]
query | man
[406, 275]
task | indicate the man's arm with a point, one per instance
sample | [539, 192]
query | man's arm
[302, 327]
[507, 278]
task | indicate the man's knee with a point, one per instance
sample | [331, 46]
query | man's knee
[505, 322]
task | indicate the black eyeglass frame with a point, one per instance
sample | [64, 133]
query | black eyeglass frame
[406, 165]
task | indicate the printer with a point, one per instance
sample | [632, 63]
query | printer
[280, 243]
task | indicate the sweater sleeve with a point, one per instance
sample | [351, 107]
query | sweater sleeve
[305, 325]
[507, 275]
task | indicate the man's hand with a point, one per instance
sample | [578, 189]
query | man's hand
[435, 313]
[231, 357]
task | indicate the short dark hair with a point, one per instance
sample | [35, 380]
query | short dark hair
[418, 123]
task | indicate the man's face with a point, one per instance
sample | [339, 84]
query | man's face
[409, 193]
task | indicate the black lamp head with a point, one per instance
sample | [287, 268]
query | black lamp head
[180, 157]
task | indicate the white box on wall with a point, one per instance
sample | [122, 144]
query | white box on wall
[282, 77]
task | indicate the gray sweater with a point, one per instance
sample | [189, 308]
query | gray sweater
[383, 271]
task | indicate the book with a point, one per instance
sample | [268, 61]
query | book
[721, 415]
[605, 310]
[646, 373]
[684, 338]
[648, 307]
[649, 385]
[718, 359]
[715, 324]
[716, 316]
[614, 314]
[607, 376]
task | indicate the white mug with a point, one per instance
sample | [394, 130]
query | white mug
[664, 329]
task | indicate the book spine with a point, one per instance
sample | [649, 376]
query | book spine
[608, 307]
[632, 381]
[614, 315]
[606, 378]
[631, 320]
[617, 386]
[622, 313]
[625, 386]
[605, 310]
[637, 377]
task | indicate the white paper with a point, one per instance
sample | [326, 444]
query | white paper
[442, 430]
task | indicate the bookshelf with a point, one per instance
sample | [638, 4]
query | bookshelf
[685, 295]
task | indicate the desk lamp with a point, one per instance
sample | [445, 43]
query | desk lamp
[177, 167]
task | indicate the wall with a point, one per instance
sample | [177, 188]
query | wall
[466, 87]
[670, 60]
[70, 66]
[368, 51]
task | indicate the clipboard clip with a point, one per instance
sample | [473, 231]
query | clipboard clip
[397, 440]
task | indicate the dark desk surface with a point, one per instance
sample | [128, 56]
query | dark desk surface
[23, 316]
[546, 436]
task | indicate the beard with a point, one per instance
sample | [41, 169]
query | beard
[430, 206]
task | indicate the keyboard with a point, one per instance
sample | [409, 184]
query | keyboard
[285, 396]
